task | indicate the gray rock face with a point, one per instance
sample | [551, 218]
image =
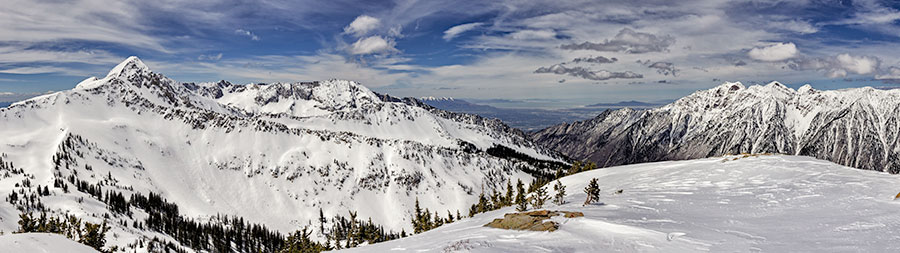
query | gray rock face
[857, 127]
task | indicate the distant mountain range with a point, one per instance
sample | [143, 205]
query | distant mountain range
[530, 119]
[857, 127]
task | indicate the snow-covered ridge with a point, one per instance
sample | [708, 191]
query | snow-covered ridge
[273, 154]
[330, 105]
[855, 127]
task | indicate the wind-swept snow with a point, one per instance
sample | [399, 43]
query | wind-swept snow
[756, 204]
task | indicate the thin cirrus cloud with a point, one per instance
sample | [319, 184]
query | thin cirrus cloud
[454, 31]
[89, 20]
[36, 70]
[18, 54]
[210, 57]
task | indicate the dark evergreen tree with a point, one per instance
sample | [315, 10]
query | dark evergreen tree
[592, 191]
[508, 199]
[418, 225]
[560, 196]
[94, 235]
[299, 242]
[322, 221]
[540, 197]
[521, 202]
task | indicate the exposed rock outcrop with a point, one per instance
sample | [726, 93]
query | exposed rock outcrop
[533, 221]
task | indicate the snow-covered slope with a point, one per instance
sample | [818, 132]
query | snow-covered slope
[725, 204]
[857, 127]
[271, 153]
[41, 243]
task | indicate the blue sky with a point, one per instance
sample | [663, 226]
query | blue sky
[545, 54]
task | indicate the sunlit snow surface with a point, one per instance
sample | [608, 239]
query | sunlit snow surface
[766, 203]
[40, 242]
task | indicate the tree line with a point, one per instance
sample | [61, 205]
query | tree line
[536, 195]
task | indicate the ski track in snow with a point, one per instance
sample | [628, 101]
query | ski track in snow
[756, 204]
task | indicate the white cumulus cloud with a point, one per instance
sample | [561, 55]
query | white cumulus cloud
[372, 45]
[362, 25]
[774, 52]
[858, 64]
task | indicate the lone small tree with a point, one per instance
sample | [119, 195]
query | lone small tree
[592, 191]
[539, 198]
[521, 202]
[560, 189]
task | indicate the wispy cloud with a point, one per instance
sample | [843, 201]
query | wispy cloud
[204, 57]
[454, 31]
[17, 54]
[38, 70]
[86, 20]
[247, 33]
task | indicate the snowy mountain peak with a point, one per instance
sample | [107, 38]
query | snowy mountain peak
[806, 89]
[729, 87]
[132, 72]
[130, 65]
[775, 84]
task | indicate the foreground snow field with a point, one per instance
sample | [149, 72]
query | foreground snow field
[759, 203]
[40, 242]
